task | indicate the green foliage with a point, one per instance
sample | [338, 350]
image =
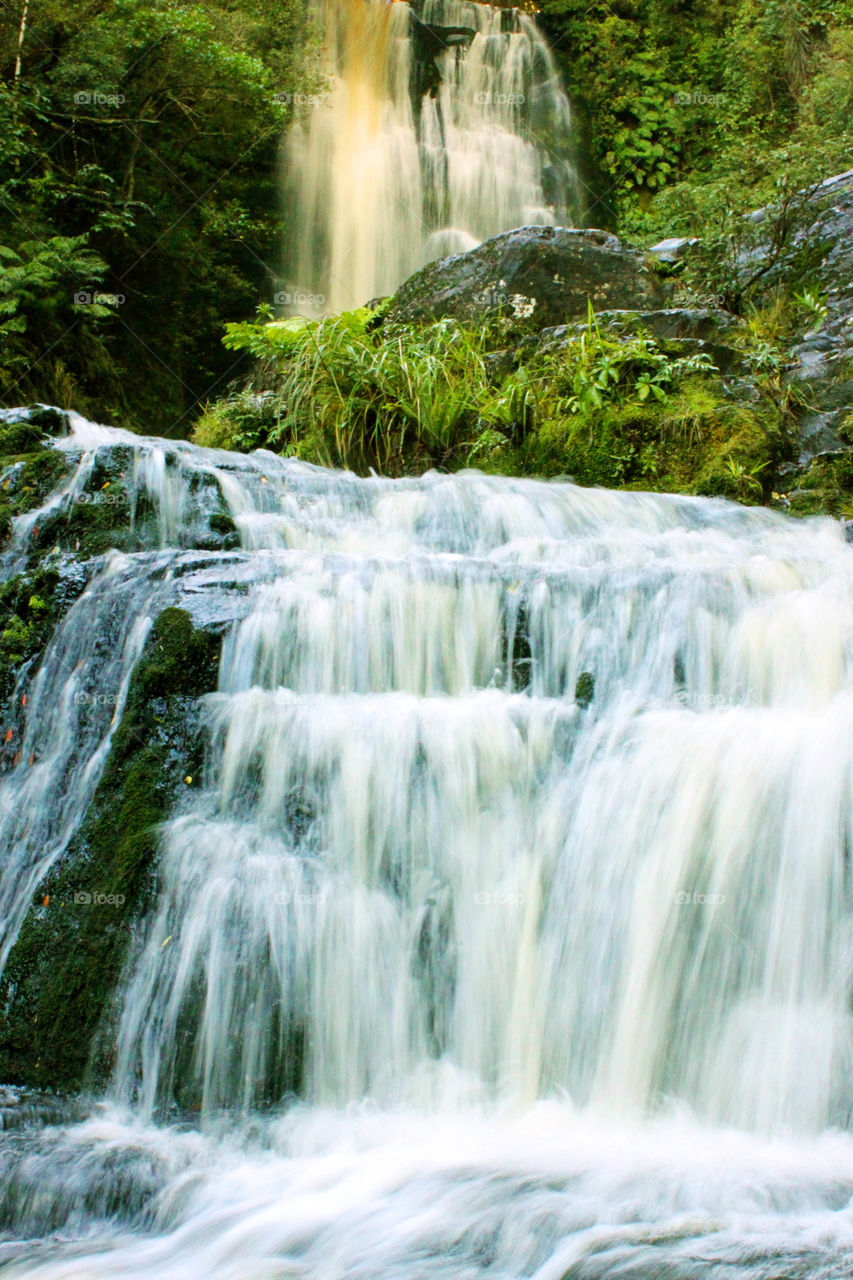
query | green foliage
[595, 369]
[674, 92]
[138, 154]
[27, 622]
[813, 303]
[47, 288]
[347, 395]
[606, 407]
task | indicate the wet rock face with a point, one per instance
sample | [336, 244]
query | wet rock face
[56, 987]
[542, 275]
[824, 355]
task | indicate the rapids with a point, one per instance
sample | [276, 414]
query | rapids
[508, 933]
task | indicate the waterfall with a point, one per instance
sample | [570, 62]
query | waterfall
[444, 123]
[508, 930]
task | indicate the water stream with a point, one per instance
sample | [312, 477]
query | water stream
[509, 932]
[443, 123]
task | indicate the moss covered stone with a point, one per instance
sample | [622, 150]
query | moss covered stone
[825, 488]
[57, 991]
[585, 689]
[27, 619]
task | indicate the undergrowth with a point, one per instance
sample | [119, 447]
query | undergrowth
[605, 408]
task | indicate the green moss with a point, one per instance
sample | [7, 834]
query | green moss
[28, 617]
[20, 437]
[222, 523]
[86, 529]
[57, 987]
[40, 475]
[825, 488]
[585, 689]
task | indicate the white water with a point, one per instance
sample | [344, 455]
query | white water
[383, 181]
[564, 988]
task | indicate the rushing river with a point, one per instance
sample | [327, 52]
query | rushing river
[523, 839]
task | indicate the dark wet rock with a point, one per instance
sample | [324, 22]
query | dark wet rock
[34, 1109]
[56, 991]
[429, 42]
[821, 255]
[539, 275]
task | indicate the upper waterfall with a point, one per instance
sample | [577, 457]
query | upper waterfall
[444, 124]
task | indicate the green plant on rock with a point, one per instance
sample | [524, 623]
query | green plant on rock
[745, 480]
[813, 303]
[348, 394]
[598, 367]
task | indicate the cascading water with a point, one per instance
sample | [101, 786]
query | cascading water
[509, 932]
[444, 124]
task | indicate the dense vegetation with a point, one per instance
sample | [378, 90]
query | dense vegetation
[606, 404]
[696, 108]
[139, 214]
[139, 201]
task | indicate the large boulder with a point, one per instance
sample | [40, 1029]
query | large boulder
[545, 275]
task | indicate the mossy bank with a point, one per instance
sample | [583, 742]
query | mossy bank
[56, 993]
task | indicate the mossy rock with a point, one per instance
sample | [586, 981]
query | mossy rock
[20, 437]
[36, 479]
[221, 522]
[57, 991]
[27, 433]
[585, 689]
[825, 488]
[28, 615]
[86, 528]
